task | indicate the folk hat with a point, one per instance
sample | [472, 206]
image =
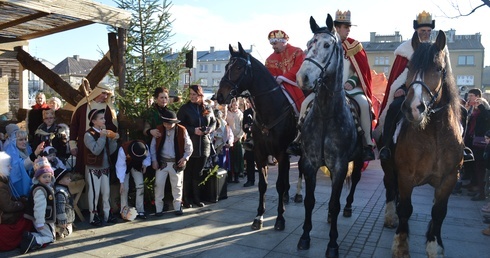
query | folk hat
[59, 174]
[342, 18]
[170, 117]
[138, 150]
[42, 166]
[424, 19]
[277, 35]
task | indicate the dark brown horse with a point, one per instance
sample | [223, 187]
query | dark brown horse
[429, 148]
[274, 126]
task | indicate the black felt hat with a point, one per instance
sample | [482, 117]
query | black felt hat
[138, 150]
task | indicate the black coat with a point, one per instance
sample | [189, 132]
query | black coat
[191, 116]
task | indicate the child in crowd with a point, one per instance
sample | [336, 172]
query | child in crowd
[54, 103]
[223, 138]
[100, 143]
[65, 214]
[133, 156]
[169, 156]
[50, 153]
[40, 208]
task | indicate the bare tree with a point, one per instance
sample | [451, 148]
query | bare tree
[461, 13]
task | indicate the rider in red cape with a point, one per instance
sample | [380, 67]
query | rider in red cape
[284, 63]
[395, 90]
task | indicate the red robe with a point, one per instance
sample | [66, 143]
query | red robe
[399, 65]
[287, 64]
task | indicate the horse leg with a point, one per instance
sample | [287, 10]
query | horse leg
[355, 178]
[338, 176]
[400, 247]
[310, 183]
[298, 197]
[282, 186]
[259, 219]
[434, 246]
[389, 180]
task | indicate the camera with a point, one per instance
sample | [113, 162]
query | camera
[203, 128]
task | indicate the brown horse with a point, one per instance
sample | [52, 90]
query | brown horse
[429, 145]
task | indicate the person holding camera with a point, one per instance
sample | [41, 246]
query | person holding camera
[52, 134]
[199, 121]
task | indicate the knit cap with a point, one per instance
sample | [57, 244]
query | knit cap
[42, 166]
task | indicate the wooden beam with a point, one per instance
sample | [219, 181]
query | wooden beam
[80, 9]
[22, 20]
[114, 53]
[98, 73]
[68, 93]
[122, 34]
[66, 27]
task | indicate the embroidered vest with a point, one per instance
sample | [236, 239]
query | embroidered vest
[90, 158]
[179, 142]
[129, 161]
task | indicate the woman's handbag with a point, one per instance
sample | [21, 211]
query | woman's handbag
[479, 142]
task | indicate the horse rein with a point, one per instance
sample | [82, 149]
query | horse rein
[324, 68]
[233, 92]
[433, 96]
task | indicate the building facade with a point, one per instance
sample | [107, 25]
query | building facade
[466, 55]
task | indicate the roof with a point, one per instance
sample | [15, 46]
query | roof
[29, 19]
[74, 66]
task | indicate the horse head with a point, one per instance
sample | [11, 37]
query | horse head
[427, 72]
[237, 75]
[322, 56]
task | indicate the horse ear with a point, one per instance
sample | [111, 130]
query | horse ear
[314, 27]
[415, 40]
[329, 22]
[240, 48]
[441, 40]
[230, 48]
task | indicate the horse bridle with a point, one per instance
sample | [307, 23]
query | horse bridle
[324, 68]
[248, 67]
[433, 96]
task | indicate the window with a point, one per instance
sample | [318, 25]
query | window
[203, 68]
[466, 60]
[216, 67]
[216, 82]
[465, 80]
[381, 60]
[204, 82]
[13, 74]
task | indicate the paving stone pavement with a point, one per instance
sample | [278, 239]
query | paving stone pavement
[222, 229]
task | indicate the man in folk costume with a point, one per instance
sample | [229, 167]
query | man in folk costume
[283, 64]
[98, 98]
[357, 83]
[396, 88]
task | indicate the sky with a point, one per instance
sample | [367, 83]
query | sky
[218, 23]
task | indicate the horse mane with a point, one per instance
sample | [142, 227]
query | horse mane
[423, 58]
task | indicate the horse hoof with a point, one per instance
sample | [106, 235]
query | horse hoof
[298, 198]
[332, 252]
[285, 198]
[280, 224]
[304, 244]
[347, 212]
[257, 224]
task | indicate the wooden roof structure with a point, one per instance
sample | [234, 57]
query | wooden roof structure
[30, 19]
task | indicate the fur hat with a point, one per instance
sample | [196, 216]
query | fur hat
[11, 129]
[138, 150]
[4, 164]
[42, 166]
[424, 19]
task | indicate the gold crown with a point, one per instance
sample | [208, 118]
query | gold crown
[342, 16]
[424, 18]
[278, 34]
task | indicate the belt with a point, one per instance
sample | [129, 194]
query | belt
[168, 159]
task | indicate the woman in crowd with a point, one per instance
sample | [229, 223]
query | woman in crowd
[199, 122]
[154, 114]
[22, 160]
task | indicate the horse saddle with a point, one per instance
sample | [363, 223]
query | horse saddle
[355, 110]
